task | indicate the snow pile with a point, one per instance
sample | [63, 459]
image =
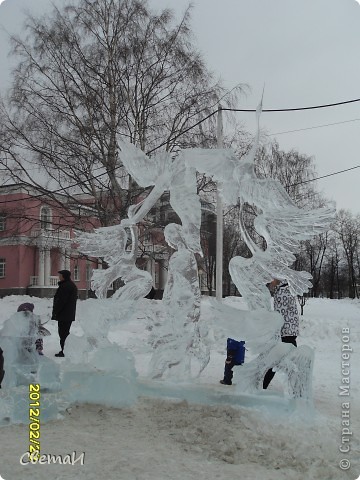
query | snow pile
[167, 440]
[238, 436]
[218, 432]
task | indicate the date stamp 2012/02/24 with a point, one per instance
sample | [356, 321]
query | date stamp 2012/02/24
[34, 420]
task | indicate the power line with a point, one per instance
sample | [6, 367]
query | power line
[198, 123]
[312, 128]
[296, 109]
[325, 176]
[227, 109]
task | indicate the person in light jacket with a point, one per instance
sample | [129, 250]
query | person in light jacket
[286, 304]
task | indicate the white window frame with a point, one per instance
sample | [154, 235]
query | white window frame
[44, 223]
[89, 271]
[76, 272]
[2, 267]
[2, 222]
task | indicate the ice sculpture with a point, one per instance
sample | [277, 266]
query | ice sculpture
[282, 225]
[181, 339]
[165, 172]
[109, 243]
[295, 363]
[280, 222]
[23, 365]
[18, 336]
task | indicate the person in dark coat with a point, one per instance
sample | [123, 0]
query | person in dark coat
[64, 307]
[2, 371]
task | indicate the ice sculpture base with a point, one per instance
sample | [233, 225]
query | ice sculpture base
[86, 384]
[216, 394]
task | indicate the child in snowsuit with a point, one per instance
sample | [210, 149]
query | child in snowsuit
[229, 364]
[235, 356]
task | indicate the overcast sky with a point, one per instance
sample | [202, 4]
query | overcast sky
[306, 52]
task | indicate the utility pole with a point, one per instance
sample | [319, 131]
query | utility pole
[219, 216]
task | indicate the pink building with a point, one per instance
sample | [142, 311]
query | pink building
[37, 239]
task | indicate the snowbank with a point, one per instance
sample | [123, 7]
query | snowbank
[215, 433]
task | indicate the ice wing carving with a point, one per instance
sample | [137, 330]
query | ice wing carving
[146, 171]
[280, 222]
[110, 243]
[165, 173]
[220, 165]
[101, 242]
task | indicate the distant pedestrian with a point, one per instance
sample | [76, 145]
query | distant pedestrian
[2, 371]
[64, 307]
[284, 303]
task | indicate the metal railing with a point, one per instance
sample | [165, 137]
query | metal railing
[53, 234]
[53, 282]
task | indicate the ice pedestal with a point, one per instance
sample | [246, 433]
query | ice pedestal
[14, 405]
[48, 375]
[108, 379]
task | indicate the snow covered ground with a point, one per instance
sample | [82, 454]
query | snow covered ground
[202, 430]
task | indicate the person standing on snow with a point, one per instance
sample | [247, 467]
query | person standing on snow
[64, 307]
[284, 303]
[2, 371]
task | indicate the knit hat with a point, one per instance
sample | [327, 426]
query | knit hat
[26, 307]
[65, 273]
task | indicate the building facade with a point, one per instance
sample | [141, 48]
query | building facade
[38, 238]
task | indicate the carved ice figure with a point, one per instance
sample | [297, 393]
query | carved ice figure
[280, 222]
[282, 225]
[18, 336]
[165, 173]
[295, 362]
[109, 243]
[181, 338]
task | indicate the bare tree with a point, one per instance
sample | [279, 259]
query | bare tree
[331, 282]
[233, 245]
[347, 227]
[89, 72]
[315, 253]
[295, 171]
